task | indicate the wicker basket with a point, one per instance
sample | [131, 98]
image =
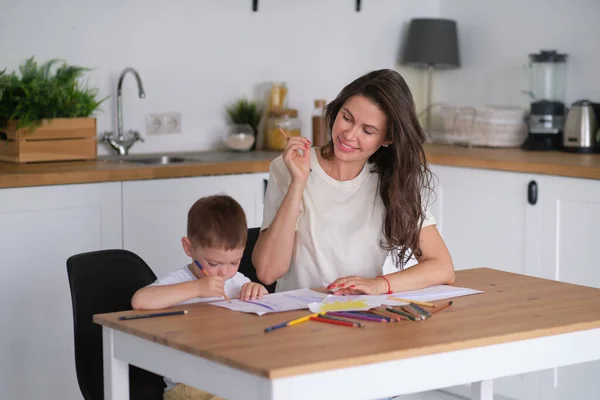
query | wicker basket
[490, 126]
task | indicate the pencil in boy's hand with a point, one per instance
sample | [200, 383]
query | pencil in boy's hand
[158, 314]
[206, 273]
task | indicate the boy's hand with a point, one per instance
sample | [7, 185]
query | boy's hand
[252, 291]
[211, 286]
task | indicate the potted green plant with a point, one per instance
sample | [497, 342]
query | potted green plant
[243, 119]
[45, 113]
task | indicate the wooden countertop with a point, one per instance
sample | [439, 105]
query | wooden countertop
[105, 170]
[535, 162]
[513, 307]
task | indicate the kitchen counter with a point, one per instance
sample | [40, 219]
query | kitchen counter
[108, 169]
[516, 160]
[219, 163]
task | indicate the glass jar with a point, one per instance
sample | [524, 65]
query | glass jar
[278, 96]
[287, 119]
[239, 137]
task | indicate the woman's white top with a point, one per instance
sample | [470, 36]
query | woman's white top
[339, 229]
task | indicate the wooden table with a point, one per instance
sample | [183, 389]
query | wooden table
[520, 324]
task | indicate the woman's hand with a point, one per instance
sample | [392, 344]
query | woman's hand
[358, 285]
[298, 165]
[252, 291]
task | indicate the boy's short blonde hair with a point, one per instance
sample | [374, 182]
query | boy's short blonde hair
[217, 222]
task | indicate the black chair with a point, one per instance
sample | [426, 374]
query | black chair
[246, 266]
[101, 282]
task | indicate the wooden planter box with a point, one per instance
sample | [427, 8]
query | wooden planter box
[60, 139]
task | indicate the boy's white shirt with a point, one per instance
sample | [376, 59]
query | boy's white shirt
[232, 288]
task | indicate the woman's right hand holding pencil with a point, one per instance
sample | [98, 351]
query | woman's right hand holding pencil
[297, 158]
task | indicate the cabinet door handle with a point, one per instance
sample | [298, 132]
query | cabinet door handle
[532, 192]
[265, 183]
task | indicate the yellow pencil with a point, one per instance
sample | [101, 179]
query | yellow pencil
[290, 323]
[301, 319]
[419, 303]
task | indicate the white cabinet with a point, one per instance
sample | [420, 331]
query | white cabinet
[155, 212]
[570, 252]
[40, 228]
[486, 220]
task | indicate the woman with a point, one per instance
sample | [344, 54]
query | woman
[332, 215]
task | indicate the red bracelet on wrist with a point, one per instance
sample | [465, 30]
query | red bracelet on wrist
[388, 282]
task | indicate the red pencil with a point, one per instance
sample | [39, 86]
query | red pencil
[336, 322]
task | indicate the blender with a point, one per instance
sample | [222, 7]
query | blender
[547, 75]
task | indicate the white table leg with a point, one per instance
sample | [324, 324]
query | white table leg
[116, 372]
[482, 390]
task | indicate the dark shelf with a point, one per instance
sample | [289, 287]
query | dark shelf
[255, 5]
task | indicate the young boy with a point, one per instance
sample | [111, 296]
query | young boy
[216, 238]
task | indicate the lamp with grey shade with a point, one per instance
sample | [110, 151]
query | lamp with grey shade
[431, 43]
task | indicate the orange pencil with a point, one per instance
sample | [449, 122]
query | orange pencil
[441, 307]
[391, 316]
[412, 312]
[206, 273]
[282, 132]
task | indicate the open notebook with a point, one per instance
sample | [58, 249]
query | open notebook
[322, 302]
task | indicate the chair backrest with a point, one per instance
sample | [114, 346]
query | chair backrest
[101, 282]
[246, 266]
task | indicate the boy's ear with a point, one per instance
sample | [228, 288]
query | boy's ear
[187, 246]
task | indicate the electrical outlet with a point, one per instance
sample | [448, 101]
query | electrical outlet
[159, 123]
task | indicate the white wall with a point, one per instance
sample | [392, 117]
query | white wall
[497, 36]
[194, 56]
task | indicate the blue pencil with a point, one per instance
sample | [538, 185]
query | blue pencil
[206, 273]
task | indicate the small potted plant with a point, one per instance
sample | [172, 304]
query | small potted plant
[45, 113]
[243, 119]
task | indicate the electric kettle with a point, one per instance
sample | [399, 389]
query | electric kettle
[581, 133]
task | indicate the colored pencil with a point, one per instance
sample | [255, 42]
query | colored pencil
[206, 273]
[335, 322]
[370, 314]
[289, 323]
[159, 314]
[327, 316]
[412, 312]
[420, 303]
[400, 317]
[403, 313]
[283, 132]
[352, 315]
[439, 308]
[390, 316]
[423, 312]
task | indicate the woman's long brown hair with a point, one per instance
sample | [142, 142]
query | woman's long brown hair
[404, 176]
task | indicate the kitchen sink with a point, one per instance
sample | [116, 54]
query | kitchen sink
[153, 159]
[161, 160]
[189, 158]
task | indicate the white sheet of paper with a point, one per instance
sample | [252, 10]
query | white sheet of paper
[347, 303]
[432, 293]
[276, 302]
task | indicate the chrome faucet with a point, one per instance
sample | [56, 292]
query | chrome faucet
[123, 142]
